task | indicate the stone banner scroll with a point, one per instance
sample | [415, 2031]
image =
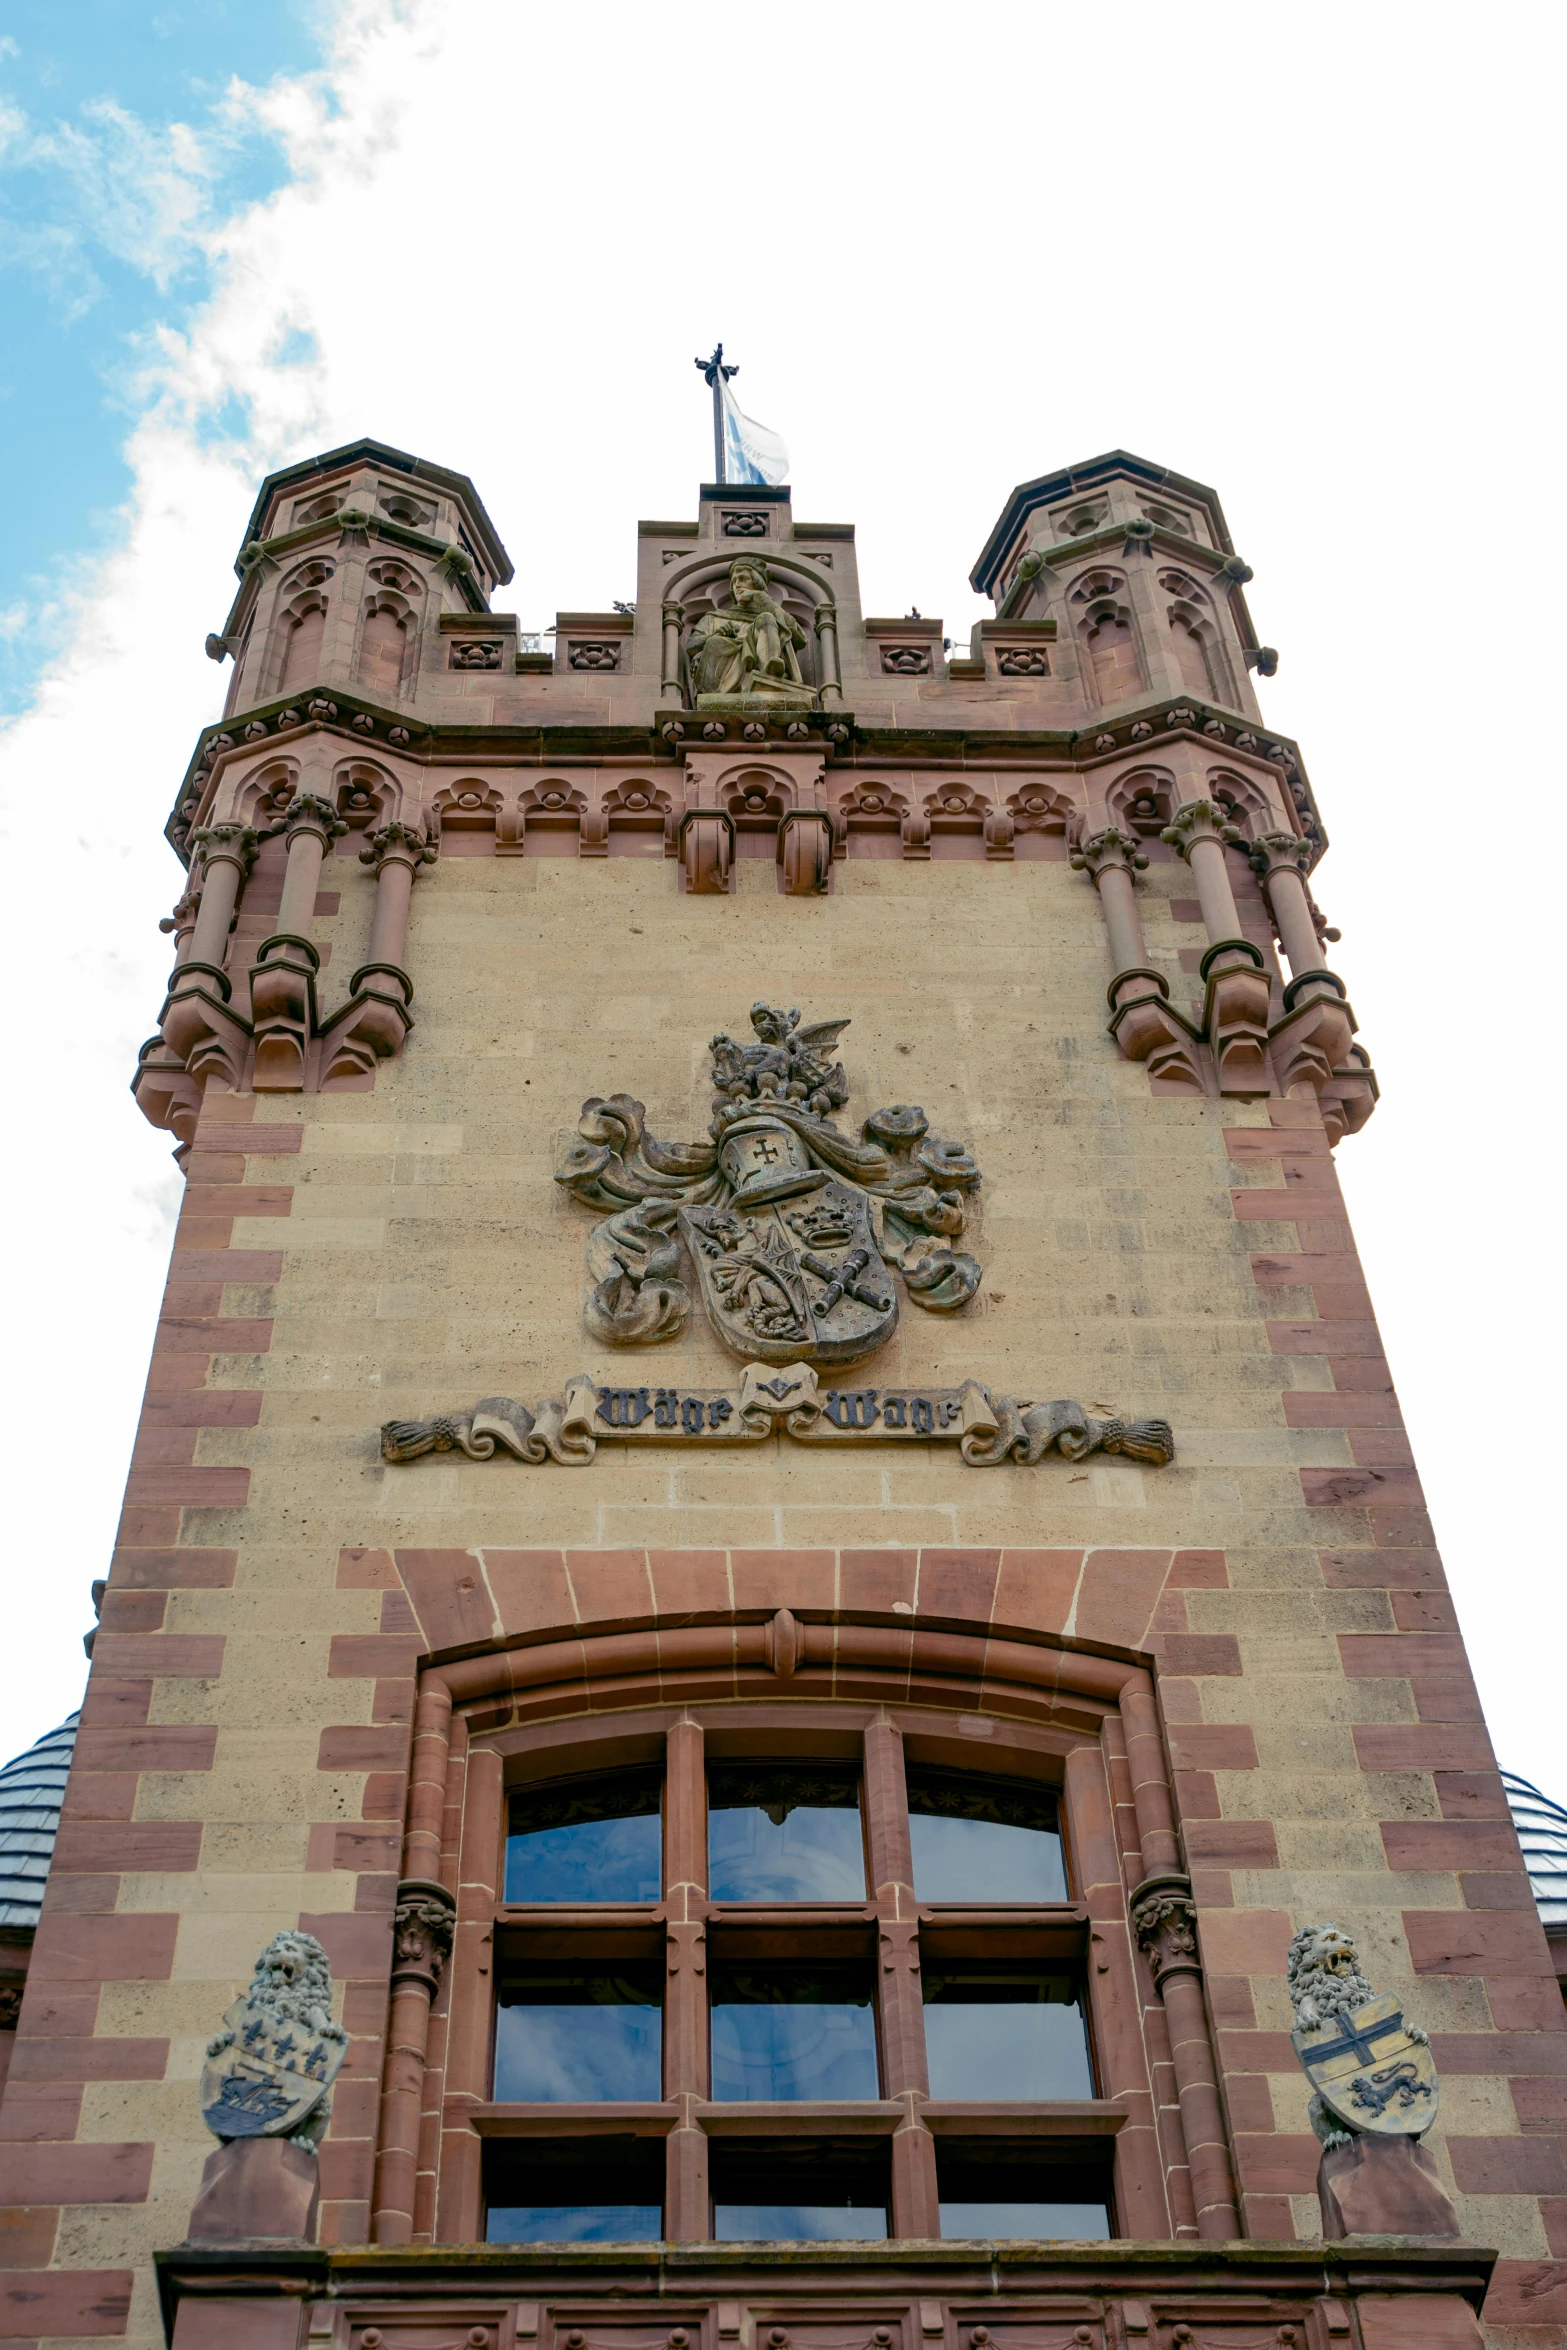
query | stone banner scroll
[772, 1401]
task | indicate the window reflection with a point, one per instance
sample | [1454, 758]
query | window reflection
[581, 2223]
[804, 2191]
[1007, 2188]
[784, 1832]
[595, 1839]
[801, 2223]
[1005, 2032]
[567, 2191]
[1073, 2221]
[578, 2039]
[978, 1839]
[793, 2031]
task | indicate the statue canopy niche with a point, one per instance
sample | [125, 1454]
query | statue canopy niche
[748, 650]
[793, 1225]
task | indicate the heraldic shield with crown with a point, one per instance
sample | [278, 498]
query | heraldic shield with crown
[793, 1225]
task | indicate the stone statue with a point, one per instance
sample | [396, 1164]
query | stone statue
[266, 2096]
[749, 650]
[1376, 2095]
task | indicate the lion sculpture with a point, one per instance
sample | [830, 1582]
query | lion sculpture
[1324, 1981]
[292, 1984]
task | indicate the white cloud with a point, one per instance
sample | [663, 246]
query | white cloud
[947, 260]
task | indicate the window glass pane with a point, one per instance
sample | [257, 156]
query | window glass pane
[578, 2039]
[787, 2032]
[784, 1832]
[587, 1840]
[565, 2223]
[811, 2223]
[980, 1839]
[807, 2190]
[995, 2034]
[1076, 2220]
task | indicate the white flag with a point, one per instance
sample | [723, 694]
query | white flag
[751, 452]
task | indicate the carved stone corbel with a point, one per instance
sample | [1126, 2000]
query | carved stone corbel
[372, 1025]
[1164, 1919]
[422, 1928]
[1143, 1021]
[1235, 1007]
[707, 848]
[805, 850]
[283, 976]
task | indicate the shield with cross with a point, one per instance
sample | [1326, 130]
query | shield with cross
[1369, 2070]
[789, 1266]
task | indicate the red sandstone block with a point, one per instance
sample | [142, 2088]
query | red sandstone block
[1260, 2052]
[1118, 1593]
[82, 1894]
[1232, 2006]
[99, 1795]
[159, 1446]
[39, 2111]
[449, 1596]
[1197, 1796]
[35, 2303]
[1503, 2053]
[1235, 1844]
[183, 1746]
[1472, 1795]
[203, 1407]
[958, 1585]
[1381, 1448]
[116, 1704]
[1482, 1889]
[1255, 1205]
[1474, 1942]
[174, 1570]
[1244, 1144]
[214, 1166]
[1553, 2212]
[27, 2235]
[128, 1844]
[686, 1583]
[1526, 2293]
[1416, 2321]
[140, 1525]
[394, 1701]
[347, 2169]
[1424, 1611]
[271, 1142]
[1508, 2166]
[877, 1580]
[1278, 2164]
[1213, 1746]
[209, 1334]
[397, 1616]
[62, 2058]
[76, 2174]
[1035, 1589]
[197, 1489]
[1213, 1888]
[1523, 2003]
[134, 1948]
[1380, 1656]
[132, 1611]
[226, 1264]
[1198, 1570]
[384, 1796]
[357, 1747]
[1246, 1942]
[530, 1589]
[1425, 1746]
[1450, 1844]
[167, 1656]
[213, 1201]
[363, 1656]
[1324, 1338]
[609, 1586]
[1179, 1701]
[1304, 1407]
[359, 1946]
[367, 1570]
[800, 1579]
[1334, 1489]
[1540, 2102]
[1445, 1697]
[1205, 1655]
[1290, 1268]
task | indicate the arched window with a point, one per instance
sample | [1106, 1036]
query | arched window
[1112, 655]
[304, 632]
[383, 649]
[1191, 656]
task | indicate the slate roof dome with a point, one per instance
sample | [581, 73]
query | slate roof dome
[1542, 1831]
[32, 1789]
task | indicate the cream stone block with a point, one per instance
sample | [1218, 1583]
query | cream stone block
[1117, 1485]
[377, 1139]
[1262, 1448]
[225, 1943]
[304, 1231]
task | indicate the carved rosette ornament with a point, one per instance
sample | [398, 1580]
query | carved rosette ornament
[1164, 1919]
[422, 1929]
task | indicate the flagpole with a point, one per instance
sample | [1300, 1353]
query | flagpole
[717, 374]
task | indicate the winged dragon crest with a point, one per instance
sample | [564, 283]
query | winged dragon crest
[793, 1224]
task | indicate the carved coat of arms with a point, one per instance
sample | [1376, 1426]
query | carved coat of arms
[793, 1225]
[269, 2072]
[1371, 2069]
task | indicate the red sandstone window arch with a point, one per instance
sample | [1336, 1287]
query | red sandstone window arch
[869, 1699]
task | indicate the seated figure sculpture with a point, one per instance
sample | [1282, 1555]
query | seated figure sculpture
[749, 649]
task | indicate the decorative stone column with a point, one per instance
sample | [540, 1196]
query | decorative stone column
[831, 686]
[283, 976]
[670, 685]
[1235, 1009]
[422, 1939]
[687, 2076]
[1313, 1041]
[1143, 1021]
[371, 1026]
[196, 1024]
[916, 2202]
[1164, 1918]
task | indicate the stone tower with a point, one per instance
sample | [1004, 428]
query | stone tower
[775, 1527]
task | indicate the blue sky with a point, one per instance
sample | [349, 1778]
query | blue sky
[97, 247]
[1295, 254]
